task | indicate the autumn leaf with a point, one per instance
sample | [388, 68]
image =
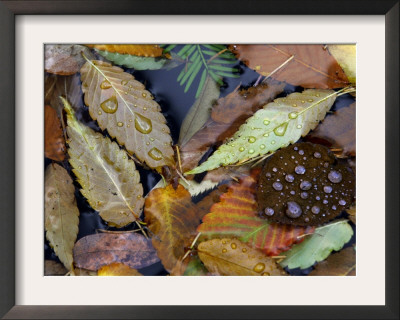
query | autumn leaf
[238, 105]
[97, 250]
[141, 50]
[338, 131]
[109, 179]
[309, 66]
[61, 213]
[171, 217]
[277, 125]
[64, 59]
[195, 268]
[319, 245]
[54, 143]
[345, 54]
[230, 257]
[352, 213]
[117, 269]
[342, 263]
[54, 268]
[236, 215]
[121, 105]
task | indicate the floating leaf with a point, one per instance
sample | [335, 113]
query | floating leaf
[319, 245]
[61, 213]
[238, 106]
[277, 125]
[142, 50]
[117, 269]
[136, 62]
[121, 105]
[230, 257]
[54, 268]
[97, 250]
[170, 215]
[109, 179]
[236, 216]
[338, 131]
[342, 263]
[311, 66]
[199, 112]
[345, 54]
[54, 143]
[64, 59]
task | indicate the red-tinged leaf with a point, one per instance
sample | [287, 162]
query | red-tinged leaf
[171, 217]
[236, 215]
[312, 66]
[141, 50]
[54, 143]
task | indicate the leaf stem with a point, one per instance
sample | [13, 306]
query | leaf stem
[278, 68]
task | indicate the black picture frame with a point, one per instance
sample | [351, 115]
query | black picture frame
[8, 11]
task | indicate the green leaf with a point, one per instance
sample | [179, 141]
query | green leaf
[318, 246]
[277, 125]
[200, 111]
[136, 62]
[195, 268]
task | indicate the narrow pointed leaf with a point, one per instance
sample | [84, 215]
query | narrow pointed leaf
[61, 213]
[277, 125]
[109, 179]
[121, 105]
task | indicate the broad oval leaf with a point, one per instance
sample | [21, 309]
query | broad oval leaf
[171, 216]
[97, 250]
[277, 125]
[341, 263]
[236, 215]
[319, 245]
[61, 213]
[117, 269]
[230, 257]
[121, 105]
[109, 179]
[54, 143]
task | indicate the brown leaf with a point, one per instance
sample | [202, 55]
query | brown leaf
[342, 263]
[228, 173]
[83, 273]
[311, 67]
[171, 216]
[64, 59]
[117, 269]
[352, 213]
[54, 143]
[338, 131]
[96, 250]
[141, 50]
[230, 257]
[226, 118]
[54, 268]
[204, 205]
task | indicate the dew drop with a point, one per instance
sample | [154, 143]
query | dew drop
[304, 195]
[266, 122]
[273, 142]
[334, 207]
[281, 130]
[335, 176]
[317, 155]
[317, 198]
[120, 124]
[233, 245]
[299, 126]
[292, 193]
[144, 95]
[110, 105]
[289, 178]
[262, 146]
[274, 169]
[277, 186]
[143, 124]
[223, 242]
[155, 154]
[124, 82]
[306, 219]
[105, 85]
[269, 211]
[305, 185]
[241, 149]
[224, 250]
[244, 250]
[259, 267]
[300, 170]
[301, 152]
[266, 134]
[294, 105]
[310, 100]
[100, 113]
[325, 201]
[252, 139]
[295, 148]
[251, 151]
[293, 115]
[268, 175]
[293, 210]
[342, 202]
[327, 189]
[315, 209]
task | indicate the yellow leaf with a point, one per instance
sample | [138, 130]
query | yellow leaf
[117, 269]
[345, 54]
[141, 50]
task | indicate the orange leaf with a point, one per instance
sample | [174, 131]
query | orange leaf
[236, 215]
[141, 50]
[172, 218]
[117, 269]
[312, 66]
[54, 144]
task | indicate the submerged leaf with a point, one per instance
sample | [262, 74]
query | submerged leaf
[319, 245]
[230, 257]
[61, 213]
[342, 263]
[121, 105]
[277, 125]
[345, 54]
[54, 143]
[311, 66]
[109, 179]
[170, 215]
[97, 250]
[117, 269]
[236, 216]
[142, 50]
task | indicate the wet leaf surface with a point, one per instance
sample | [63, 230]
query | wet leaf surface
[54, 143]
[117, 269]
[142, 50]
[342, 263]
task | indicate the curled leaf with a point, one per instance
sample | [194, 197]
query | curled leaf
[117, 269]
[54, 143]
[230, 257]
[277, 125]
[121, 105]
[61, 213]
[109, 179]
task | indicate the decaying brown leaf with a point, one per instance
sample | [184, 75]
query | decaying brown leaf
[117, 269]
[342, 263]
[54, 143]
[97, 250]
[61, 213]
[352, 213]
[141, 50]
[230, 257]
[54, 268]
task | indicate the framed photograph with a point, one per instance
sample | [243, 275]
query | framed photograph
[189, 146]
